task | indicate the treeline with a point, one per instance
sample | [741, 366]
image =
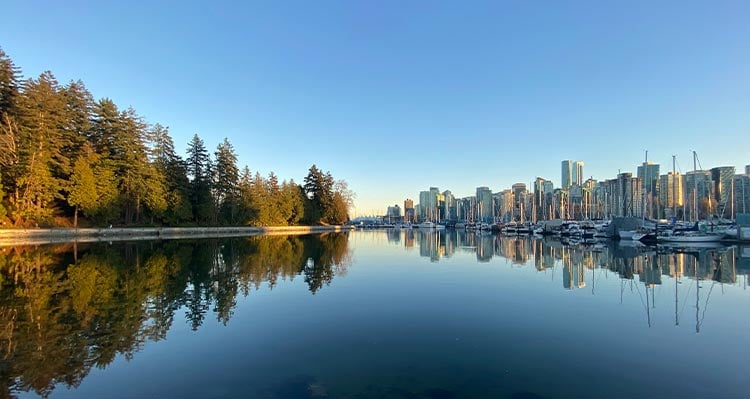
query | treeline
[64, 154]
[65, 310]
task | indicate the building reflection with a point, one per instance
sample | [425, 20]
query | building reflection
[629, 260]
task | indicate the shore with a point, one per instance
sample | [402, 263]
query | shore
[46, 236]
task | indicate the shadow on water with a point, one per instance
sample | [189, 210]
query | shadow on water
[65, 309]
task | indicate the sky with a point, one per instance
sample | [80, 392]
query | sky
[397, 96]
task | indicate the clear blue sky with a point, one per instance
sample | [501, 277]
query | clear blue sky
[397, 96]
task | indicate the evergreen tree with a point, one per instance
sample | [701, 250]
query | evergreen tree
[174, 171]
[226, 179]
[199, 169]
[42, 168]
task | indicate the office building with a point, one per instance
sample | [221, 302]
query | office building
[484, 205]
[648, 173]
[741, 194]
[409, 215]
[699, 188]
[723, 177]
[671, 194]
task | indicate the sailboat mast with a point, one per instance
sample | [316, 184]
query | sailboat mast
[674, 186]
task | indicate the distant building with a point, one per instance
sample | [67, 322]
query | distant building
[741, 194]
[566, 178]
[505, 205]
[409, 214]
[723, 177]
[699, 188]
[393, 212]
[671, 194]
[627, 196]
[572, 173]
[484, 204]
[449, 206]
[747, 169]
[577, 174]
[648, 173]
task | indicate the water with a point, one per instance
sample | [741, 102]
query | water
[373, 314]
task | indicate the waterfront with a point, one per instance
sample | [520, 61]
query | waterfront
[374, 314]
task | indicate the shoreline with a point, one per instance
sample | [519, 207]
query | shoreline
[62, 235]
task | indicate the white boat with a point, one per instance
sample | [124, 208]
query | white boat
[691, 236]
[734, 231]
[626, 234]
[427, 225]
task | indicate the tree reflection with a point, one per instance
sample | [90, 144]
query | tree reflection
[59, 316]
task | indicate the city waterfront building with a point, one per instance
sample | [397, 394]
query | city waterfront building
[627, 196]
[566, 178]
[648, 172]
[671, 194]
[484, 205]
[505, 205]
[741, 194]
[409, 215]
[699, 188]
[449, 206]
[577, 173]
[723, 177]
[393, 213]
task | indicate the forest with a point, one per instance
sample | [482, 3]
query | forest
[68, 160]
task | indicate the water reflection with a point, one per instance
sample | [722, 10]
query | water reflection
[395, 329]
[719, 263]
[66, 308]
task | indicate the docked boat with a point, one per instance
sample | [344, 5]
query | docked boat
[510, 229]
[733, 233]
[568, 229]
[690, 237]
[428, 225]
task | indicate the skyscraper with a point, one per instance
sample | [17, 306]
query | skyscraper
[747, 169]
[671, 193]
[409, 215]
[722, 177]
[484, 204]
[699, 190]
[741, 194]
[577, 173]
[567, 174]
[648, 173]
[572, 173]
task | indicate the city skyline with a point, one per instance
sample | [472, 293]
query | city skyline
[722, 191]
[451, 95]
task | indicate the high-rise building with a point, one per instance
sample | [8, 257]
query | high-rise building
[722, 177]
[577, 174]
[449, 206]
[572, 173]
[409, 216]
[393, 212]
[747, 169]
[671, 194]
[428, 209]
[567, 174]
[741, 194]
[505, 206]
[699, 190]
[648, 173]
[539, 198]
[484, 204]
[627, 193]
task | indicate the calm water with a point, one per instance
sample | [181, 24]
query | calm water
[373, 314]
